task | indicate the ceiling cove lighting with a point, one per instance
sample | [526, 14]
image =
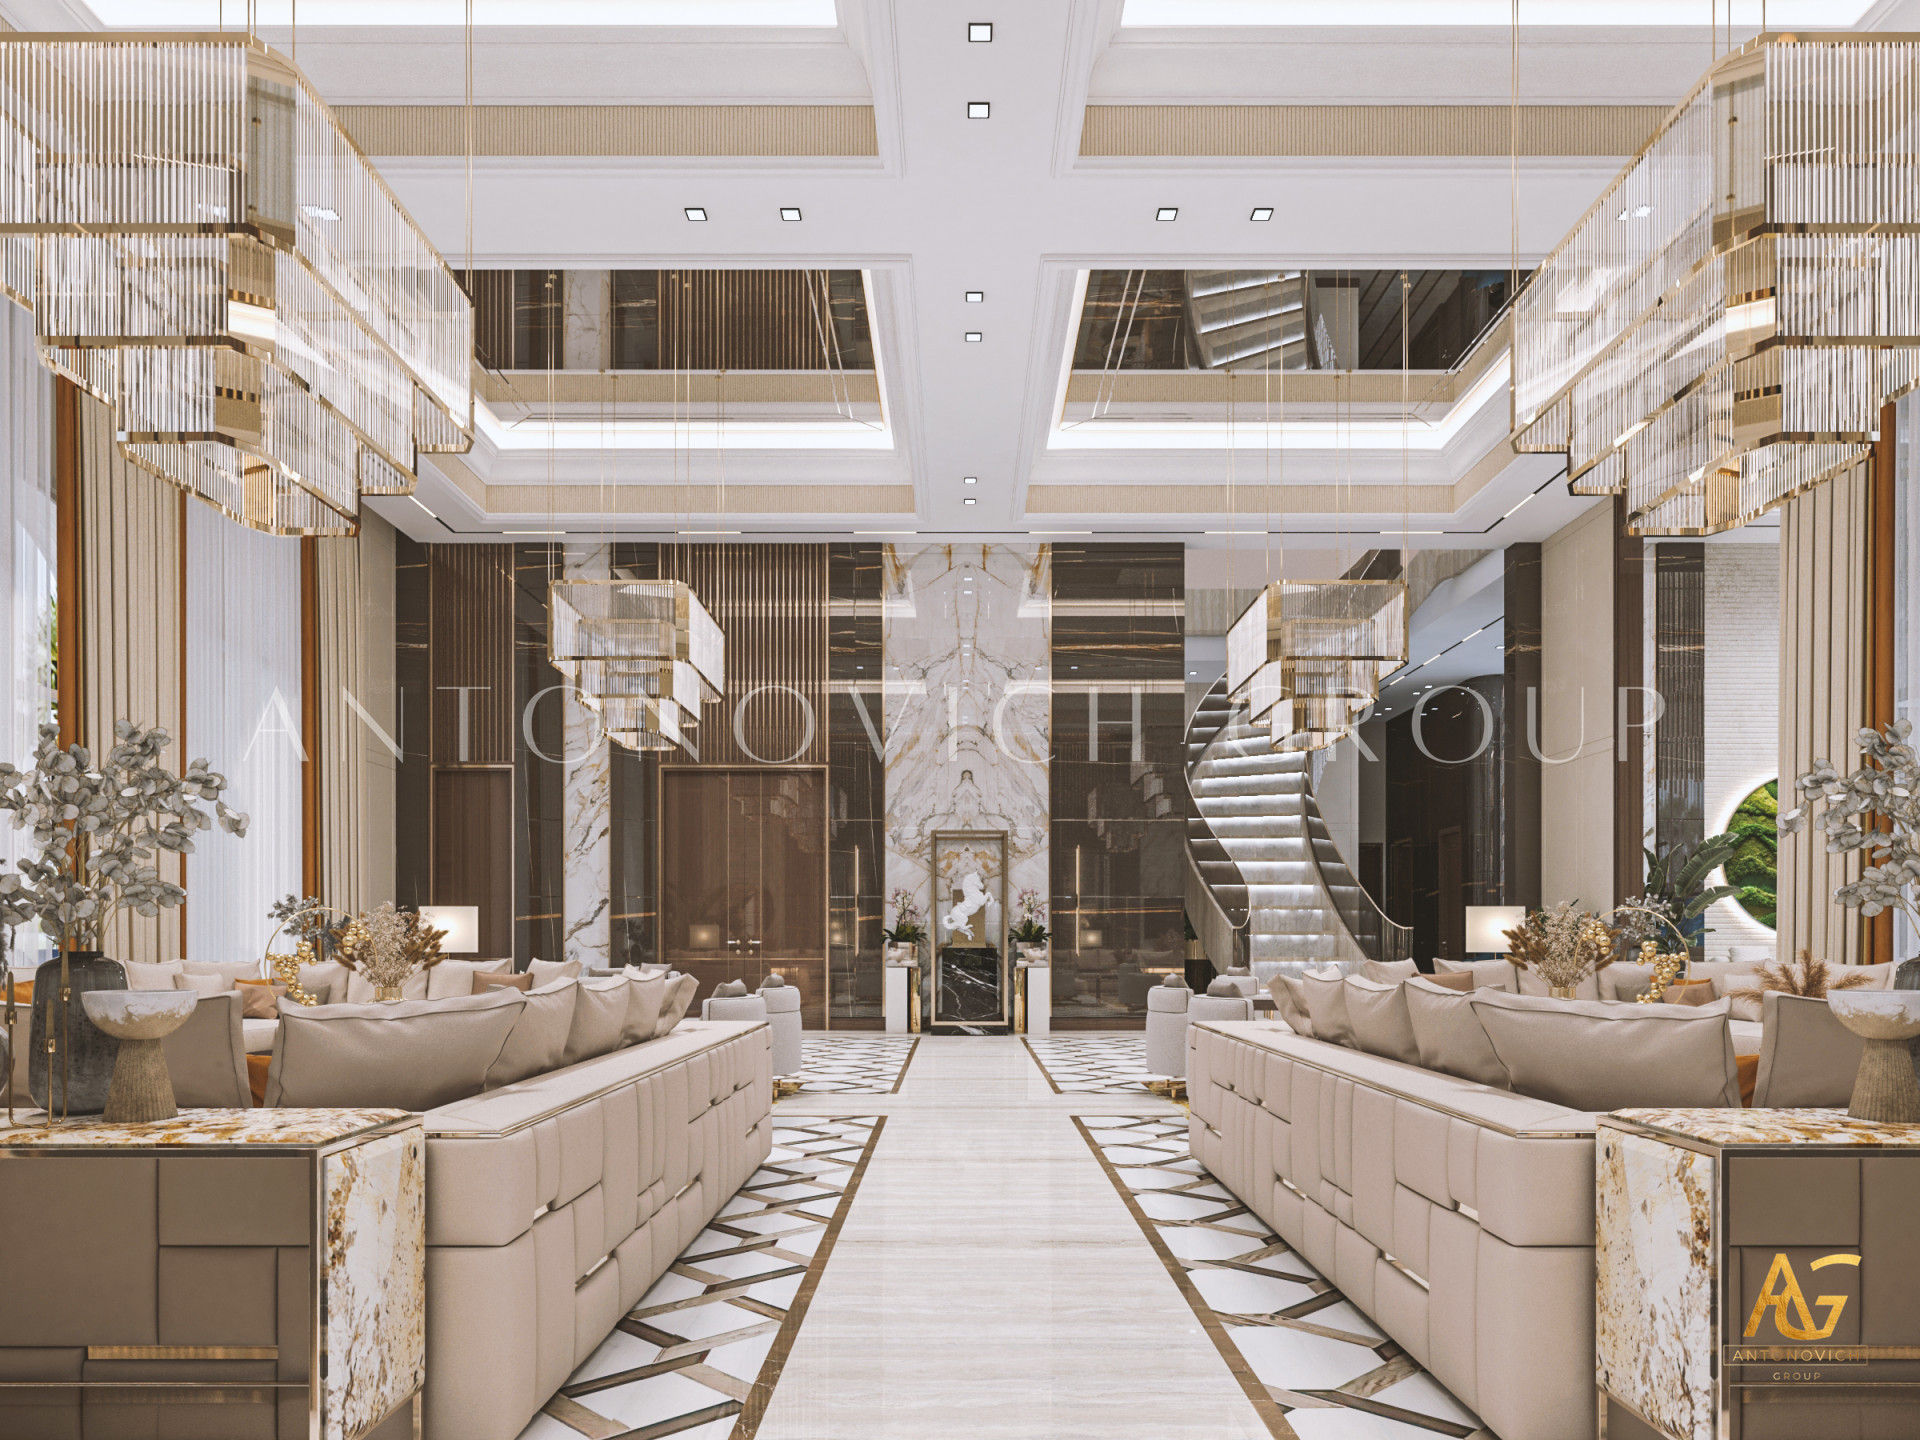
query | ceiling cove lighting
[1308, 656]
[1167, 212]
[697, 213]
[1261, 213]
[275, 364]
[980, 32]
[790, 212]
[1735, 349]
[149, 14]
[978, 110]
[1829, 14]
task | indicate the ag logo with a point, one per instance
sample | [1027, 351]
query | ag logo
[1799, 1325]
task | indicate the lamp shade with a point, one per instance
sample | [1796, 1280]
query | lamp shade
[1487, 927]
[462, 924]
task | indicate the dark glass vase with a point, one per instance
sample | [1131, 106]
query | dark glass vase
[74, 1079]
[1907, 976]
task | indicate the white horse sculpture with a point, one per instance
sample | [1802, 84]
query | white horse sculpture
[973, 898]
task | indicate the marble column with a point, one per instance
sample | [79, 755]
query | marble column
[966, 644]
[587, 889]
[587, 342]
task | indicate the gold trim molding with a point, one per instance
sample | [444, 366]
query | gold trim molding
[1479, 131]
[614, 130]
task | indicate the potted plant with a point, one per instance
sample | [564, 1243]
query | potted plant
[1875, 810]
[1563, 946]
[98, 830]
[1677, 891]
[1030, 935]
[903, 940]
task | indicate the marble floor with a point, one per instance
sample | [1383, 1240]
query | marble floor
[858, 1062]
[1093, 1062]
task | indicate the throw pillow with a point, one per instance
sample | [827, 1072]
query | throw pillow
[236, 971]
[1388, 972]
[645, 996]
[413, 1055]
[1742, 997]
[152, 975]
[1627, 980]
[1462, 981]
[329, 979]
[1449, 1035]
[679, 999]
[546, 971]
[1487, 974]
[730, 990]
[1378, 1015]
[773, 982]
[599, 1012]
[1326, 997]
[205, 984]
[484, 980]
[450, 978]
[1691, 992]
[1224, 985]
[1596, 1056]
[1290, 1005]
[260, 999]
[538, 1041]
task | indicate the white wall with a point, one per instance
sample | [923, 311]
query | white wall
[1742, 705]
[1576, 682]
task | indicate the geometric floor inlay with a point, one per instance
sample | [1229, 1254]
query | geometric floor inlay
[1092, 1063]
[699, 1356]
[854, 1063]
[1299, 1348]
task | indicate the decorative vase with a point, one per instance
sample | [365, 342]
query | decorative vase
[1561, 992]
[386, 994]
[142, 1090]
[75, 1078]
[1885, 1088]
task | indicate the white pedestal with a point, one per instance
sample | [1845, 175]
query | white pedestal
[1039, 982]
[895, 1001]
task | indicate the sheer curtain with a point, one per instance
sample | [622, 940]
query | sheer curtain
[243, 715]
[27, 565]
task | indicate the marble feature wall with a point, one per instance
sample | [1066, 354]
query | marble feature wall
[587, 812]
[375, 1276]
[966, 647]
[1655, 1281]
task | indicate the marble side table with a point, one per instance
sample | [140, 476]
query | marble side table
[169, 1277]
[1033, 997]
[1758, 1275]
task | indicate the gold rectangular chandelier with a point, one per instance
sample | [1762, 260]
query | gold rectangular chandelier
[205, 250]
[1722, 329]
[1308, 655]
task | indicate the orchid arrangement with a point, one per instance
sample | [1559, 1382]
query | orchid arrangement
[1032, 927]
[100, 829]
[908, 928]
[1852, 809]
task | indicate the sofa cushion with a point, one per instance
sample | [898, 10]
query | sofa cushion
[1691, 992]
[1588, 989]
[484, 980]
[1461, 982]
[1449, 1035]
[1289, 1003]
[645, 996]
[234, 971]
[260, 999]
[455, 977]
[1388, 972]
[205, 984]
[1487, 974]
[1598, 1056]
[1378, 1015]
[1169, 999]
[673, 1009]
[545, 970]
[360, 990]
[1626, 980]
[328, 979]
[538, 1040]
[410, 1055]
[1807, 1057]
[599, 1012]
[1326, 997]
[782, 999]
[152, 975]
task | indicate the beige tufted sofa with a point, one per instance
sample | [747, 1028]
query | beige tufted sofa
[1460, 1218]
[553, 1204]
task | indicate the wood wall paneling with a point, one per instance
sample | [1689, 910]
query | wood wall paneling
[472, 851]
[1883, 522]
[1630, 704]
[1520, 789]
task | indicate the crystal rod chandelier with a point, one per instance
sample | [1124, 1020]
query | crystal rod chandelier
[1721, 330]
[205, 250]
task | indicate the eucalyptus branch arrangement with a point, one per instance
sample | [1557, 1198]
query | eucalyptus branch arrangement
[1875, 810]
[386, 945]
[908, 929]
[1563, 945]
[1032, 929]
[100, 830]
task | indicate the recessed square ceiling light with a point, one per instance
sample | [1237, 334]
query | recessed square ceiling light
[976, 297]
[980, 32]
[971, 480]
[696, 212]
[1261, 212]
[969, 501]
[978, 110]
[1167, 212]
[974, 337]
[789, 212]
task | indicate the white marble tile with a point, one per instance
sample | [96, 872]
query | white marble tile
[375, 1279]
[1308, 1361]
[587, 816]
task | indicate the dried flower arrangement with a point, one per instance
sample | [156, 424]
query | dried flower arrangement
[386, 946]
[1563, 945]
[1809, 977]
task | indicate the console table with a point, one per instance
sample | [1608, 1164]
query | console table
[1756, 1274]
[172, 1274]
